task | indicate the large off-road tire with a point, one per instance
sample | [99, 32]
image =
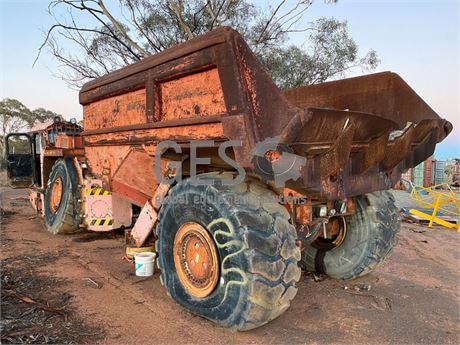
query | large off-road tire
[256, 246]
[371, 234]
[62, 215]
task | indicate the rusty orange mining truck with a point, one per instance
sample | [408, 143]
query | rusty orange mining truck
[238, 183]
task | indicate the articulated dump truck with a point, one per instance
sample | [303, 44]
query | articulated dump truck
[238, 183]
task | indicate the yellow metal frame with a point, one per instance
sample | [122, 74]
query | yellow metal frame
[437, 197]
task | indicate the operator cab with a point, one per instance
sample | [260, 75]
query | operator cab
[19, 160]
[26, 152]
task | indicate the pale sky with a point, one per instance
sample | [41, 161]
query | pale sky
[419, 40]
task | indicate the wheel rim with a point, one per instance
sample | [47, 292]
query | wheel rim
[56, 194]
[341, 232]
[196, 259]
[337, 229]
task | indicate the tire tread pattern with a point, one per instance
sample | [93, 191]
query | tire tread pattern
[271, 253]
[69, 223]
[379, 213]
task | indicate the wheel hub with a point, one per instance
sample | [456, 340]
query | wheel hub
[336, 231]
[56, 194]
[196, 260]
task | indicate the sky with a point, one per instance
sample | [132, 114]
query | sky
[419, 40]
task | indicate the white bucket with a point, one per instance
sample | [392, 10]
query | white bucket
[144, 263]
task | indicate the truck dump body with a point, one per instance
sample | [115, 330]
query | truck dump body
[357, 135]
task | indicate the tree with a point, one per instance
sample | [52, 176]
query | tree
[144, 27]
[42, 115]
[332, 53]
[16, 117]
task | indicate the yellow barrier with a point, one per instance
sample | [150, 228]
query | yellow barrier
[438, 198]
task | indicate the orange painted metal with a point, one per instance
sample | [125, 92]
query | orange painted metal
[301, 211]
[131, 136]
[194, 95]
[144, 224]
[121, 110]
[135, 176]
[56, 194]
[137, 171]
[134, 196]
[149, 215]
[105, 159]
[106, 152]
[64, 141]
[351, 206]
[160, 195]
[107, 212]
[336, 230]
[63, 152]
[103, 209]
[196, 259]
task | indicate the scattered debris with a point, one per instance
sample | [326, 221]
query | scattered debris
[417, 231]
[93, 283]
[362, 287]
[33, 308]
[313, 276]
[379, 302]
[29, 241]
[319, 277]
[30, 300]
[125, 258]
[359, 287]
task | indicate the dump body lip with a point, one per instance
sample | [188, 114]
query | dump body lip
[207, 40]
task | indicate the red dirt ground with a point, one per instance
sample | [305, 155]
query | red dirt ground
[414, 296]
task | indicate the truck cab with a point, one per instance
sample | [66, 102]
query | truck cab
[30, 156]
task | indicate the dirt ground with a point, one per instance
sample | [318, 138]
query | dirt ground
[81, 291]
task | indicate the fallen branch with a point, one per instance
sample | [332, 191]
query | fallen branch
[30, 300]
